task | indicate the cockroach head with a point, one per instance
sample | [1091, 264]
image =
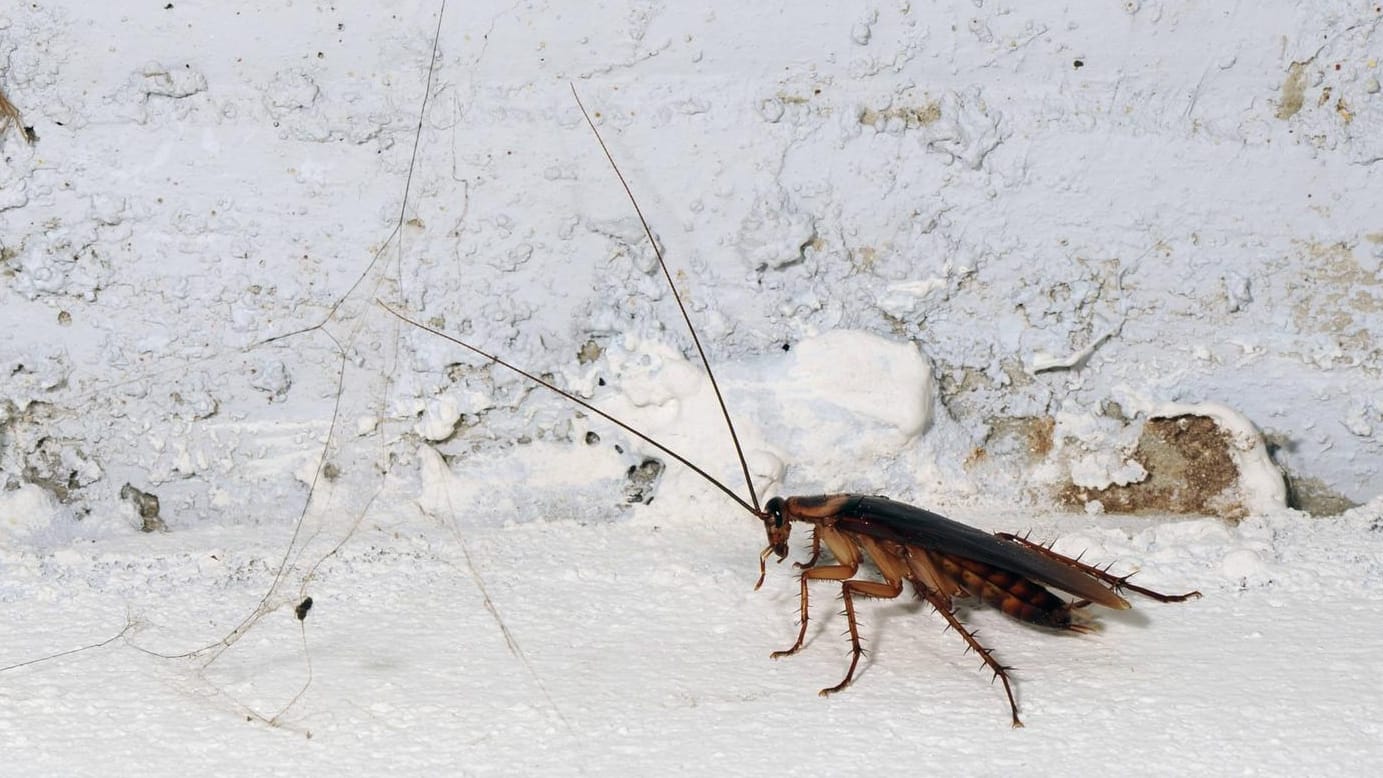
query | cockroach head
[777, 526]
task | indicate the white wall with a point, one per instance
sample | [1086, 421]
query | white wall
[1192, 188]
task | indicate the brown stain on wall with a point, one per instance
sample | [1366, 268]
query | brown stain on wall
[1028, 437]
[1293, 91]
[1336, 294]
[911, 116]
[1190, 470]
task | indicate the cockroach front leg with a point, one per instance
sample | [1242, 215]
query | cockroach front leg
[816, 553]
[828, 573]
[1117, 582]
[811, 561]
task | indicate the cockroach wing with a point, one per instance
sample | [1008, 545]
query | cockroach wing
[886, 519]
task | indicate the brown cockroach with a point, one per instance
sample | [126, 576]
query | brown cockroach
[942, 559]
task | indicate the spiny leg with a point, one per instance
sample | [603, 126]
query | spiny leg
[802, 633]
[943, 606]
[828, 573]
[816, 553]
[806, 565]
[847, 554]
[878, 589]
[1117, 581]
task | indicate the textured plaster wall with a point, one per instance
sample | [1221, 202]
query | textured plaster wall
[1077, 213]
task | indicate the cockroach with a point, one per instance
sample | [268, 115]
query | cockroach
[942, 559]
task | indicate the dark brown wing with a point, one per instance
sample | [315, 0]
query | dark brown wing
[886, 519]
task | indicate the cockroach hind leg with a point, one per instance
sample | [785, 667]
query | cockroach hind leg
[986, 654]
[1123, 584]
[1118, 583]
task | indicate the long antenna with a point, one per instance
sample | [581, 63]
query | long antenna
[739, 452]
[602, 414]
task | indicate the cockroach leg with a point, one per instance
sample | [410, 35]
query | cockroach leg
[816, 553]
[848, 556]
[1121, 582]
[828, 573]
[884, 590]
[807, 567]
[802, 620]
[1117, 582]
[850, 548]
[943, 606]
